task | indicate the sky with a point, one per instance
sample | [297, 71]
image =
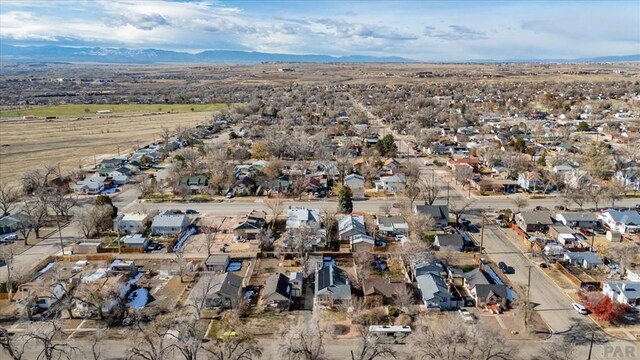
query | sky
[419, 30]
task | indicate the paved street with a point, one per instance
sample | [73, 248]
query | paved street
[549, 300]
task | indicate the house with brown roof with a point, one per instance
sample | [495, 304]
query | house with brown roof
[249, 226]
[379, 292]
[472, 162]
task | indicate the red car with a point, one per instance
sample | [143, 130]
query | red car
[586, 232]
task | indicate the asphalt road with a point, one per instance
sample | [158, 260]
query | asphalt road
[550, 301]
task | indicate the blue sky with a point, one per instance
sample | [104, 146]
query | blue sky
[422, 30]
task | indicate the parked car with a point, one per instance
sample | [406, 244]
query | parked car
[580, 237]
[585, 232]
[580, 309]
[473, 228]
[10, 237]
[190, 211]
[399, 237]
[589, 287]
[599, 230]
[503, 267]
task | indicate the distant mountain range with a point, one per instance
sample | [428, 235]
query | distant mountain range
[54, 53]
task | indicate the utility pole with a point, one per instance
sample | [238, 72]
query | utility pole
[482, 232]
[529, 285]
[118, 150]
[448, 185]
[591, 346]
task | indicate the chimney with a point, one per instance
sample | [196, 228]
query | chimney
[624, 286]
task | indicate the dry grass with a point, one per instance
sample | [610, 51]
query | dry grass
[28, 144]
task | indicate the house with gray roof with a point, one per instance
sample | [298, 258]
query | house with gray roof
[356, 184]
[587, 259]
[362, 243]
[624, 292]
[217, 291]
[13, 222]
[439, 213]
[621, 221]
[391, 184]
[351, 225]
[90, 185]
[483, 289]
[530, 221]
[576, 219]
[277, 292]
[302, 217]
[454, 242]
[169, 223]
[435, 292]
[392, 225]
[332, 287]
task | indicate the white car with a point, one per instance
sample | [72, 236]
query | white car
[580, 309]
[399, 237]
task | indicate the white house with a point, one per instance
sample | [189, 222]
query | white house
[629, 178]
[624, 292]
[577, 179]
[302, 217]
[168, 223]
[356, 184]
[621, 221]
[391, 184]
[131, 223]
[90, 185]
[392, 225]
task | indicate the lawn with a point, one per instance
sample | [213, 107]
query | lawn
[81, 109]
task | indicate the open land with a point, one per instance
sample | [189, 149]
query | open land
[73, 142]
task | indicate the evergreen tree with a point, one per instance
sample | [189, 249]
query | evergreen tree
[386, 145]
[345, 202]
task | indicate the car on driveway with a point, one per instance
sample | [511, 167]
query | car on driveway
[580, 237]
[580, 309]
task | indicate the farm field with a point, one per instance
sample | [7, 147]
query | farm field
[82, 109]
[70, 142]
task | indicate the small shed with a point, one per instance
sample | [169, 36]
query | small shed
[86, 248]
[614, 236]
[217, 262]
[135, 241]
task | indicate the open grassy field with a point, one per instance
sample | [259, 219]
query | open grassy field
[80, 109]
[70, 142]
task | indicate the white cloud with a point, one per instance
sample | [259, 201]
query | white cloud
[428, 31]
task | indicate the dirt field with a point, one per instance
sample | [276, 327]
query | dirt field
[69, 142]
[81, 109]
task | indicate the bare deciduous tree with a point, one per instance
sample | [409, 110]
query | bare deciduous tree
[459, 209]
[429, 190]
[302, 341]
[9, 196]
[520, 202]
[371, 348]
[443, 338]
[276, 207]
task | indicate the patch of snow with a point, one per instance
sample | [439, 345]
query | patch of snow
[138, 298]
[135, 279]
[183, 239]
[44, 270]
[98, 274]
